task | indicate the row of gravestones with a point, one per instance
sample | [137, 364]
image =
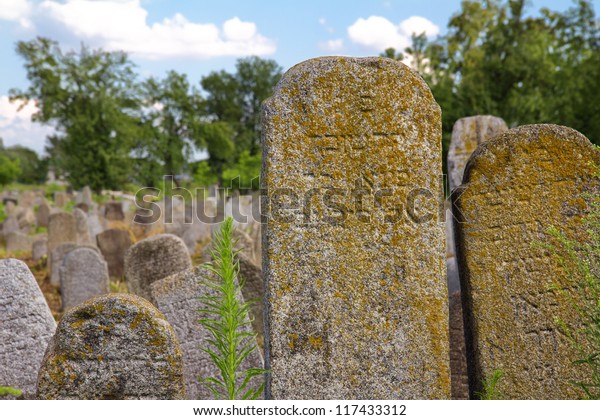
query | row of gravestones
[112, 345]
[354, 258]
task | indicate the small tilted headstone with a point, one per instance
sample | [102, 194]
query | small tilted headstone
[113, 210]
[43, 214]
[83, 275]
[26, 327]
[152, 259]
[17, 241]
[353, 256]
[116, 346]
[515, 187]
[61, 229]
[176, 297]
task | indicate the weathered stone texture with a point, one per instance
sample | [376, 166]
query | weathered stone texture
[43, 214]
[17, 241]
[113, 244]
[357, 305]
[253, 291]
[152, 259]
[176, 297]
[39, 249]
[26, 326]
[113, 210]
[81, 228]
[61, 229]
[467, 134]
[515, 187]
[116, 346]
[83, 275]
[458, 360]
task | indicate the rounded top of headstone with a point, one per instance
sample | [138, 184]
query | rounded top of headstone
[12, 269]
[115, 346]
[551, 146]
[382, 91]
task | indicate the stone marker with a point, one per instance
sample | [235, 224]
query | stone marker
[467, 134]
[26, 199]
[61, 229]
[86, 197]
[515, 187]
[60, 199]
[39, 249]
[353, 246]
[58, 255]
[458, 361]
[11, 224]
[176, 297]
[17, 241]
[152, 259]
[43, 214]
[113, 210]
[82, 228]
[113, 244]
[116, 346]
[26, 327]
[83, 275]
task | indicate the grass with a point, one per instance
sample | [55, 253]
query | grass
[489, 387]
[227, 319]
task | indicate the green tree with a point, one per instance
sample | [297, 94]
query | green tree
[32, 169]
[218, 137]
[237, 98]
[92, 99]
[172, 122]
[9, 170]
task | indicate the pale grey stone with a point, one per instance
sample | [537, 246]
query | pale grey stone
[26, 326]
[152, 259]
[83, 275]
[17, 241]
[356, 296]
[114, 243]
[115, 346]
[176, 297]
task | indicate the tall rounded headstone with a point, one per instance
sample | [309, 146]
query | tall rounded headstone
[152, 259]
[116, 346]
[26, 326]
[353, 245]
[515, 187]
[61, 229]
[83, 275]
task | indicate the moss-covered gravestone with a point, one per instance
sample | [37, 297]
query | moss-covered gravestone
[116, 346]
[353, 246]
[514, 292]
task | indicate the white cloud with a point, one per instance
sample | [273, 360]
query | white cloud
[14, 9]
[122, 25]
[332, 45]
[323, 23]
[378, 33]
[16, 126]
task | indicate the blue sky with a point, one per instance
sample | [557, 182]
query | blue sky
[197, 36]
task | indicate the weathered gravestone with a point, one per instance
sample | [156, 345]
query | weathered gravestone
[467, 134]
[113, 244]
[26, 326]
[83, 275]
[253, 291]
[116, 346]
[176, 297]
[152, 259]
[81, 228]
[113, 210]
[43, 214]
[57, 257]
[10, 225]
[61, 229]
[17, 241]
[353, 246]
[39, 249]
[515, 187]
[60, 199]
